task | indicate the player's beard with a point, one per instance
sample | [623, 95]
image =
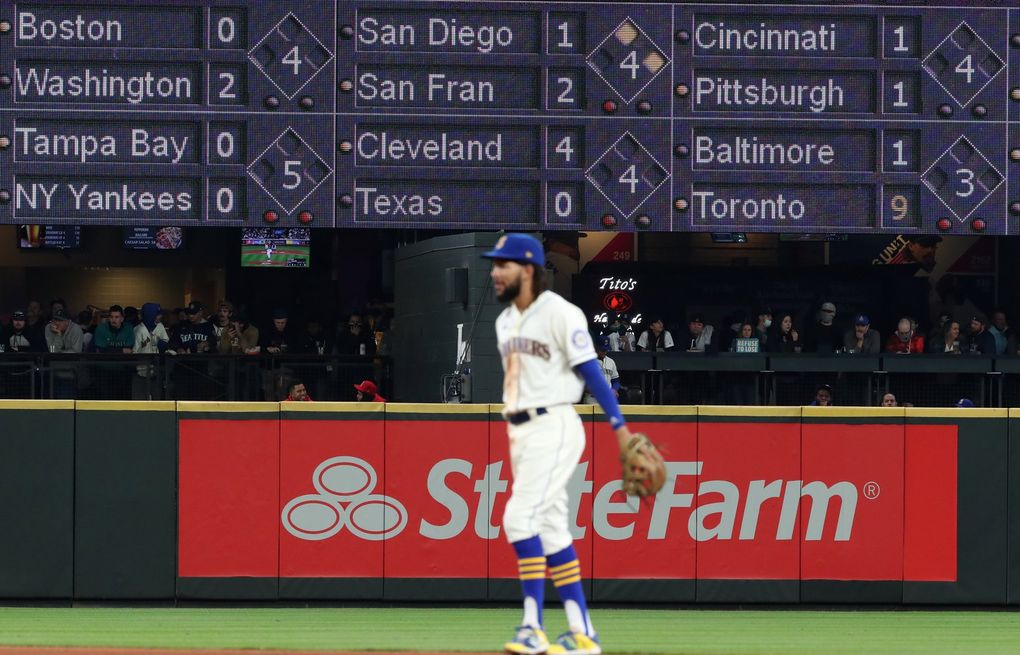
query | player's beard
[510, 291]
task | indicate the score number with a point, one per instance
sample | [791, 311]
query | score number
[228, 31]
[901, 206]
[564, 150]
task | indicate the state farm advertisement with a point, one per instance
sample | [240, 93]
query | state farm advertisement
[424, 499]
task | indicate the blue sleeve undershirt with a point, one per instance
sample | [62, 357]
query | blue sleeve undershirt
[596, 381]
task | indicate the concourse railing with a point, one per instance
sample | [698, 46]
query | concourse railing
[923, 380]
[102, 376]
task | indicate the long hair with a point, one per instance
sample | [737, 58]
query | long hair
[538, 281]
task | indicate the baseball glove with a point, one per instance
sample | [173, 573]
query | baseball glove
[644, 471]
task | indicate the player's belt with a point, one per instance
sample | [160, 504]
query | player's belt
[526, 415]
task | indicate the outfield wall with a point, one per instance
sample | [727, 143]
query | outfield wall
[352, 501]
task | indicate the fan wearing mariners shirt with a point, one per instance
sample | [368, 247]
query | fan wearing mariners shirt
[548, 358]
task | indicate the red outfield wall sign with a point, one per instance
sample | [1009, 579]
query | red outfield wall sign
[411, 498]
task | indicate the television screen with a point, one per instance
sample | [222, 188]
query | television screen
[49, 236]
[280, 247]
[154, 238]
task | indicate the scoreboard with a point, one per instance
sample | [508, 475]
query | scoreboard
[628, 116]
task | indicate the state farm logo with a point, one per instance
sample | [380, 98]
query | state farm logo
[345, 499]
[716, 509]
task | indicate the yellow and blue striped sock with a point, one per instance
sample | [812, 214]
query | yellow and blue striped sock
[565, 572]
[531, 571]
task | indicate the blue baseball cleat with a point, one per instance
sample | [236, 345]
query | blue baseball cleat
[575, 643]
[528, 641]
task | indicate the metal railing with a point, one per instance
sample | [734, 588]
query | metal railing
[932, 380]
[100, 376]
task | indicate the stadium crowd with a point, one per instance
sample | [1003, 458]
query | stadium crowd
[775, 332]
[186, 332]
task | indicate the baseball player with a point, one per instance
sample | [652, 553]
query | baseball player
[548, 358]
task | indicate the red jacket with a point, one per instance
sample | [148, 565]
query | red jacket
[896, 345]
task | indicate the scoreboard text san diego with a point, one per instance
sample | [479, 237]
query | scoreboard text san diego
[527, 115]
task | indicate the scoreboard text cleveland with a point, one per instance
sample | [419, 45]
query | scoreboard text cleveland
[526, 115]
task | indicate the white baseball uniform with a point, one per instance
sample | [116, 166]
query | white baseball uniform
[609, 372]
[540, 346]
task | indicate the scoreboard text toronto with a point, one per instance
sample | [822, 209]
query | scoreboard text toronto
[655, 116]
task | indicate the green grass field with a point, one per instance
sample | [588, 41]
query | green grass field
[691, 632]
[256, 256]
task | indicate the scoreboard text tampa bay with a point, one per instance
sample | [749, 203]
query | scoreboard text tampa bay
[526, 115]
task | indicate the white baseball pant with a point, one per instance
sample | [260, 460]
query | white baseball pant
[544, 453]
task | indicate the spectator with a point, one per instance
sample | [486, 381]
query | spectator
[33, 316]
[936, 334]
[823, 396]
[889, 400]
[368, 392]
[280, 338]
[861, 339]
[196, 335]
[131, 316]
[747, 341]
[86, 321]
[354, 338]
[656, 337]
[761, 330]
[315, 340]
[389, 338]
[224, 317]
[297, 392]
[63, 335]
[58, 304]
[18, 337]
[240, 337]
[151, 338]
[965, 403]
[1005, 339]
[699, 338]
[979, 339]
[948, 340]
[905, 339]
[609, 370]
[824, 337]
[114, 335]
[170, 322]
[621, 336]
[785, 339]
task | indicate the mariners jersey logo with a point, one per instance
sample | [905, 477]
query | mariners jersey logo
[524, 346]
[581, 339]
[345, 498]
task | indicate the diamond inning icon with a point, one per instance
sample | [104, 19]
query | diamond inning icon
[628, 60]
[962, 178]
[627, 174]
[963, 64]
[289, 170]
[290, 55]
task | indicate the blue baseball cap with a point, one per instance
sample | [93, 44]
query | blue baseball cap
[964, 402]
[516, 247]
[603, 343]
